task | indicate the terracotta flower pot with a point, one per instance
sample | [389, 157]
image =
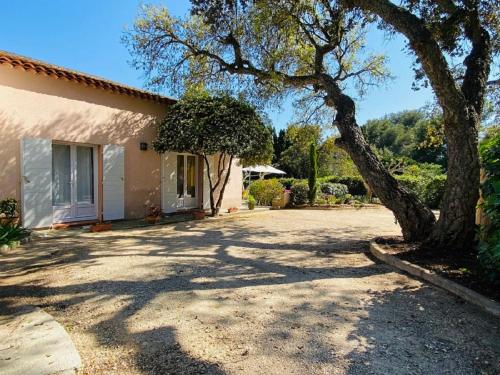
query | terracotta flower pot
[230, 210]
[276, 204]
[100, 227]
[152, 219]
[199, 214]
[9, 221]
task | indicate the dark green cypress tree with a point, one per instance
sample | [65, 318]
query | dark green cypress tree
[313, 173]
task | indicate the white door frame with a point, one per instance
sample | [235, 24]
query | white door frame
[69, 213]
[183, 202]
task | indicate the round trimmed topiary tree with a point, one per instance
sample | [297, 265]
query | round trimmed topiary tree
[218, 126]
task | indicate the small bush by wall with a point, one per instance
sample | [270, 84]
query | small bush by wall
[299, 193]
[264, 191]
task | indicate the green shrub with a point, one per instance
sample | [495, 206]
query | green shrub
[251, 202]
[331, 200]
[321, 201]
[330, 188]
[9, 207]
[434, 190]
[299, 193]
[429, 190]
[264, 191]
[489, 248]
[10, 234]
[354, 184]
[288, 182]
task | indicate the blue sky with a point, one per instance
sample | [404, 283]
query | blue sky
[85, 35]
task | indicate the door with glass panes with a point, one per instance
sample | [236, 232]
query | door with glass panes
[74, 173]
[187, 190]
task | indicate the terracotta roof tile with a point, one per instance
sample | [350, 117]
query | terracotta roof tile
[41, 67]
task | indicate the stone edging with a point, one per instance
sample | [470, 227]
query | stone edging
[34, 343]
[459, 290]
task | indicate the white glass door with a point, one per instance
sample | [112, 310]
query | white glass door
[73, 182]
[187, 176]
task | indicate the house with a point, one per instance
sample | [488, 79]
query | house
[77, 148]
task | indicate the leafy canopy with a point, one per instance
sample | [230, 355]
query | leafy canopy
[206, 125]
[261, 49]
[295, 161]
[408, 134]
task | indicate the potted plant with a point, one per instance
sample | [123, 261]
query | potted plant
[230, 210]
[12, 235]
[100, 227]
[9, 209]
[251, 202]
[199, 214]
[276, 203]
[154, 215]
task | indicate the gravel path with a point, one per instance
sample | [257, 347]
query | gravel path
[277, 292]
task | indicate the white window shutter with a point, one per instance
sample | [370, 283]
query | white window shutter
[36, 182]
[206, 184]
[113, 182]
[169, 182]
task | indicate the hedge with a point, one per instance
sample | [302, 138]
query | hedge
[299, 193]
[330, 188]
[264, 191]
[428, 190]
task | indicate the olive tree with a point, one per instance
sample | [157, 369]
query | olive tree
[273, 48]
[220, 127]
[454, 42]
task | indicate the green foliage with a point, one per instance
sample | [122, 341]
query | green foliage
[299, 193]
[263, 42]
[407, 134]
[355, 184]
[295, 160]
[251, 202]
[429, 190]
[331, 159]
[489, 248]
[280, 144]
[313, 173]
[9, 207]
[10, 234]
[288, 182]
[264, 191]
[339, 190]
[205, 125]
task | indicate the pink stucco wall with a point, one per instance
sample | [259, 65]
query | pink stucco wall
[33, 105]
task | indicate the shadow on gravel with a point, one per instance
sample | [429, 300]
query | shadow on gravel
[423, 330]
[157, 350]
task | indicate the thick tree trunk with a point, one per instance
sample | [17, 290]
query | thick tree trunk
[415, 218]
[461, 108]
[455, 229]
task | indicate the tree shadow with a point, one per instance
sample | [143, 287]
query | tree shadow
[185, 258]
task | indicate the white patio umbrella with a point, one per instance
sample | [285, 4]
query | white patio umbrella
[262, 170]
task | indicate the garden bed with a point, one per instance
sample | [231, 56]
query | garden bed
[336, 206]
[463, 269]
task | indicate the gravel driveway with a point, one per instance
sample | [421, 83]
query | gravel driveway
[276, 292]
